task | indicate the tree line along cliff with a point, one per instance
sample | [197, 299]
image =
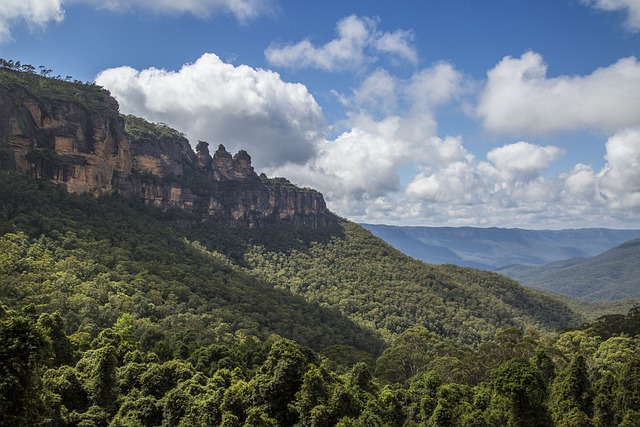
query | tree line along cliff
[72, 134]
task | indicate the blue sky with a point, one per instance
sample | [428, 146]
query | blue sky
[506, 113]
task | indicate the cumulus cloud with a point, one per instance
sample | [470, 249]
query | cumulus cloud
[357, 44]
[631, 7]
[520, 98]
[619, 180]
[459, 183]
[511, 180]
[511, 189]
[522, 160]
[36, 13]
[382, 93]
[390, 126]
[240, 107]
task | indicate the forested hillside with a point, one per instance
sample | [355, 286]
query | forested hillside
[95, 260]
[112, 315]
[612, 275]
[377, 286]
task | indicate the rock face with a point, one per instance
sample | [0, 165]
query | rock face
[62, 142]
[73, 135]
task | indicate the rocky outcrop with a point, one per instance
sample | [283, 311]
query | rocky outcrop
[62, 142]
[73, 135]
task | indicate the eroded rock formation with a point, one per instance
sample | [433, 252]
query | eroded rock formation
[74, 136]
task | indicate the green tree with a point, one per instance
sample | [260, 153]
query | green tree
[628, 393]
[523, 386]
[313, 397]
[97, 370]
[53, 325]
[409, 354]
[24, 352]
[279, 379]
[572, 391]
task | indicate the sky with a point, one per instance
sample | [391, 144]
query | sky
[494, 113]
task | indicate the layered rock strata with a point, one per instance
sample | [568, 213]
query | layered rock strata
[73, 135]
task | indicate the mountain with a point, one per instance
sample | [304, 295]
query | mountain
[612, 275]
[492, 248]
[73, 135]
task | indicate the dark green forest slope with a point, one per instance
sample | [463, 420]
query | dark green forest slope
[112, 316]
[612, 275]
[95, 260]
[376, 285]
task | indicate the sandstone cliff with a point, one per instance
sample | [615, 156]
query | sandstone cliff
[73, 135]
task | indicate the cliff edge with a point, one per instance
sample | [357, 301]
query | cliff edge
[72, 134]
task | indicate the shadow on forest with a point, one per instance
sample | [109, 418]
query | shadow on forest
[234, 243]
[144, 249]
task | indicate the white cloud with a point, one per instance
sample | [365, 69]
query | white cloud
[520, 98]
[357, 44]
[499, 194]
[522, 160]
[435, 85]
[619, 180]
[243, 10]
[378, 94]
[36, 13]
[631, 7]
[390, 127]
[459, 183]
[240, 107]
[510, 182]
[398, 44]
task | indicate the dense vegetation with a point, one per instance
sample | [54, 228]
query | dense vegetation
[96, 260]
[378, 286]
[612, 275]
[574, 379]
[112, 318]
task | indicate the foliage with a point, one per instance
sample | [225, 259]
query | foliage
[377, 286]
[97, 260]
[19, 77]
[140, 129]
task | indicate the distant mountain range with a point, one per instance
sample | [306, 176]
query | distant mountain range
[612, 275]
[493, 248]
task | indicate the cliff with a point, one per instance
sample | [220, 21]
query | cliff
[73, 135]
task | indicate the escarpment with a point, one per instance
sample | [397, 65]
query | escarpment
[73, 135]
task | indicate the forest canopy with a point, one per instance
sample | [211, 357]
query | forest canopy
[113, 315]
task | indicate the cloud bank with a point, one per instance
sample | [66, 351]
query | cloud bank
[389, 164]
[393, 138]
[358, 43]
[519, 98]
